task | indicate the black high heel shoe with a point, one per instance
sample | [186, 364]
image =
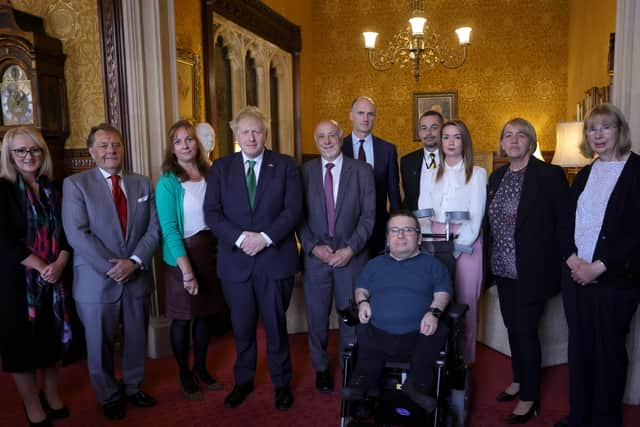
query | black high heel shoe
[56, 414]
[524, 418]
[44, 423]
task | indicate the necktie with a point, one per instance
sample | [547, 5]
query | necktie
[361, 155]
[328, 199]
[120, 200]
[251, 182]
[432, 162]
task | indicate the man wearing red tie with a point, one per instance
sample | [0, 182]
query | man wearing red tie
[110, 220]
[382, 156]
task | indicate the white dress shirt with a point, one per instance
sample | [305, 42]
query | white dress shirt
[107, 176]
[256, 170]
[335, 172]
[367, 146]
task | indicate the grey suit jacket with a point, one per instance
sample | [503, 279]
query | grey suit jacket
[92, 227]
[355, 209]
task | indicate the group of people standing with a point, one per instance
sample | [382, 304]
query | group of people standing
[525, 229]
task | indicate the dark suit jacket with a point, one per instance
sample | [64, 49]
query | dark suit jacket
[277, 211]
[411, 168]
[540, 231]
[355, 210]
[618, 245]
[387, 183]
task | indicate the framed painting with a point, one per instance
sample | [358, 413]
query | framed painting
[188, 64]
[446, 103]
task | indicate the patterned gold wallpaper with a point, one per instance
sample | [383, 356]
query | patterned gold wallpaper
[75, 22]
[189, 36]
[517, 65]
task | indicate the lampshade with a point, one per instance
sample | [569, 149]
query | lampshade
[568, 138]
[370, 39]
[464, 35]
[417, 25]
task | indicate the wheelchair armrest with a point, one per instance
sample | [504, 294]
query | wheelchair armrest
[349, 314]
[456, 311]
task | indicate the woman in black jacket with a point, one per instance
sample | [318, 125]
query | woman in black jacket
[601, 280]
[34, 324]
[526, 210]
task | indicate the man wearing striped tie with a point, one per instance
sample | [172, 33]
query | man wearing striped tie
[416, 166]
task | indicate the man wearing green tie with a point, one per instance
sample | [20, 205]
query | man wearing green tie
[416, 166]
[252, 204]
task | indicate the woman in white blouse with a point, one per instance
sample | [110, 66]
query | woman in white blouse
[459, 186]
[601, 281]
[193, 297]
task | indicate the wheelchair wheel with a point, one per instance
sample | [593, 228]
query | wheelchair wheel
[459, 402]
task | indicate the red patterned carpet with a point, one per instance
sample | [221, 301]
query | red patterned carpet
[490, 375]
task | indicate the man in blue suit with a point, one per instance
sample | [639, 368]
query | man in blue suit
[252, 205]
[383, 157]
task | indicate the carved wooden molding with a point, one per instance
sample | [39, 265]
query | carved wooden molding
[261, 20]
[113, 65]
[264, 22]
[77, 160]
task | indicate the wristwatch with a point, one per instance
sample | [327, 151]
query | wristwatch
[435, 311]
[139, 266]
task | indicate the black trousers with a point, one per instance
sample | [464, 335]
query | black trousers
[521, 321]
[599, 319]
[376, 346]
[269, 299]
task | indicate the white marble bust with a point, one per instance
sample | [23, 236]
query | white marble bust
[206, 135]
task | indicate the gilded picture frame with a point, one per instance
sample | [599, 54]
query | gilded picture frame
[188, 66]
[446, 103]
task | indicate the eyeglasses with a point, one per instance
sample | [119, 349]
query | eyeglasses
[602, 129]
[21, 153]
[405, 230]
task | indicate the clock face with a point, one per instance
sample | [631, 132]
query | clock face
[16, 97]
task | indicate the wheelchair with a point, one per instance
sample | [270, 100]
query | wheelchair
[451, 391]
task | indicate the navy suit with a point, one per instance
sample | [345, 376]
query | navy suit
[387, 180]
[262, 283]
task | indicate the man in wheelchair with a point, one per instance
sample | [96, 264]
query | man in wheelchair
[400, 297]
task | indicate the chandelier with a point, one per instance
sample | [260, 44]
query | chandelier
[417, 44]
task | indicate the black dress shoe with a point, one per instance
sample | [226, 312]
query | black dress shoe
[423, 400]
[55, 414]
[506, 397]
[563, 422]
[238, 394]
[114, 410]
[141, 399]
[324, 381]
[524, 418]
[284, 397]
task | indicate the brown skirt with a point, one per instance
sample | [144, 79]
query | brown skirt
[182, 306]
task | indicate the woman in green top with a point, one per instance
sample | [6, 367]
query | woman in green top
[192, 292]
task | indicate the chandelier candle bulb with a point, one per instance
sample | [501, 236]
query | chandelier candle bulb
[370, 39]
[464, 35]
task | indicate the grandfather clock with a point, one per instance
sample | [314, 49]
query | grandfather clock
[32, 86]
